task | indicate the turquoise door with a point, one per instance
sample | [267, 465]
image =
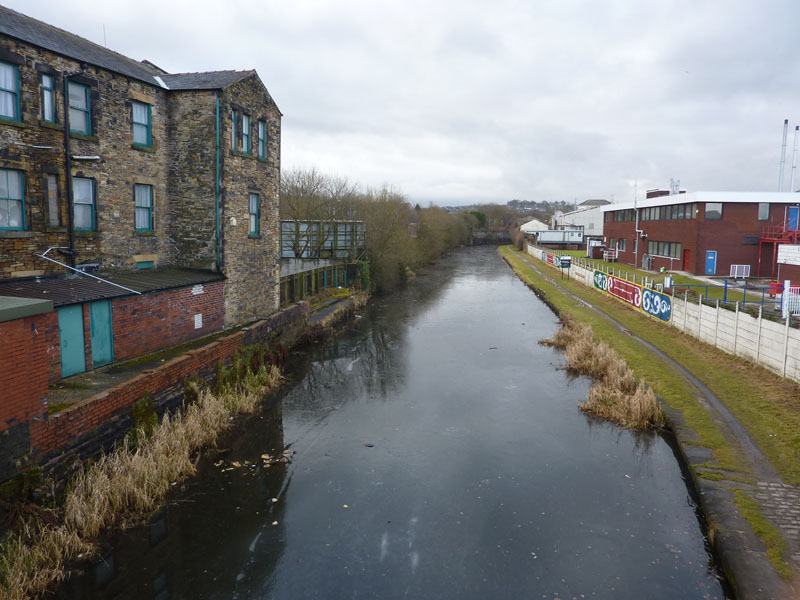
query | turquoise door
[70, 332]
[711, 262]
[794, 217]
[102, 336]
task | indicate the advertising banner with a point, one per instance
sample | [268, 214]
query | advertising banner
[625, 291]
[657, 304]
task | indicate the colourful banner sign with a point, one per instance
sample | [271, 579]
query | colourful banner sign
[625, 291]
[657, 304]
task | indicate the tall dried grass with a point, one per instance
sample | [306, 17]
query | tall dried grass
[615, 394]
[132, 480]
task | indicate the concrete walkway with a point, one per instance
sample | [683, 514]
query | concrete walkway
[742, 553]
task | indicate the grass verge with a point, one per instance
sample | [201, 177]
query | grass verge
[131, 481]
[769, 406]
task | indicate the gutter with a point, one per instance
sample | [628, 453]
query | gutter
[216, 193]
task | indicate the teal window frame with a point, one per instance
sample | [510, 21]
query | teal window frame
[6, 199]
[148, 124]
[255, 214]
[87, 111]
[48, 97]
[92, 204]
[234, 117]
[17, 116]
[262, 139]
[246, 134]
[141, 208]
[145, 264]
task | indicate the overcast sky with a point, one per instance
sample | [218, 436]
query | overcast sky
[455, 102]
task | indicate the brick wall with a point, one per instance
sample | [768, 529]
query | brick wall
[145, 324]
[23, 386]
[101, 418]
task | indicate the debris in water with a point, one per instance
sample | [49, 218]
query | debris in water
[274, 522]
[369, 445]
[345, 506]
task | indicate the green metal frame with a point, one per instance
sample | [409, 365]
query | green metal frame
[21, 199]
[17, 110]
[149, 124]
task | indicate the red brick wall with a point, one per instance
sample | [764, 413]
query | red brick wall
[698, 235]
[81, 418]
[147, 323]
[92, 412]
[23, 369]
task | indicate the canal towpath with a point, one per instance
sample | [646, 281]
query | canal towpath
[741, 551]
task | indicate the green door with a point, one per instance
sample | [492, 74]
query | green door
[70, 332]
[102, 336]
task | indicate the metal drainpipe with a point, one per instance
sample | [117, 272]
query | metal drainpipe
[216, 194]
[70, 208]
[68, 156]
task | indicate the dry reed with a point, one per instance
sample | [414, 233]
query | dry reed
[615, 394]
[130, 481]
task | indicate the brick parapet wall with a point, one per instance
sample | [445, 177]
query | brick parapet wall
[23, 384]
[82, 429]
[148, 323]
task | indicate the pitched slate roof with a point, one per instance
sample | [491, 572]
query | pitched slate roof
[594, 202]
[46, 36]
[72, 289]
[210, 80]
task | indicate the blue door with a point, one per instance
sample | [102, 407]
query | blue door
[711, 262]
[794, 217]
[102, 337]
[70, 332]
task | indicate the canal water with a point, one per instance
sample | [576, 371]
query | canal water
[434, 450]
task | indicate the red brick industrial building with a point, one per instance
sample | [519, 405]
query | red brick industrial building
[705, 233]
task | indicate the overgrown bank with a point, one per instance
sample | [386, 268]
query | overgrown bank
[130, 481]
[715, 457]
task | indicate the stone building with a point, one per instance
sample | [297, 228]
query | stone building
[138, 208]
[165, 170]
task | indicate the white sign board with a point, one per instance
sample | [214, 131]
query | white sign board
[788, 255]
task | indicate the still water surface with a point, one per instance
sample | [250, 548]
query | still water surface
[438, 453]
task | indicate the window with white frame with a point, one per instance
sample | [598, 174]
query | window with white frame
[763, 211]
[12, 200]
[9, 92]
[143, 201]
[83, 203]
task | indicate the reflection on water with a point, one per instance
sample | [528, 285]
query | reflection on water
[439, 454]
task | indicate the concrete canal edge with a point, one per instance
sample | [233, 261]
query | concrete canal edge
[741, 554]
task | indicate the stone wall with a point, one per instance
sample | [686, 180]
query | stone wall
[36, 147]
[192, 176]
[250, 262]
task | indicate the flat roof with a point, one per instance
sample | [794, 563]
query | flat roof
[61, 290]
[725, 197]
[18, 308]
